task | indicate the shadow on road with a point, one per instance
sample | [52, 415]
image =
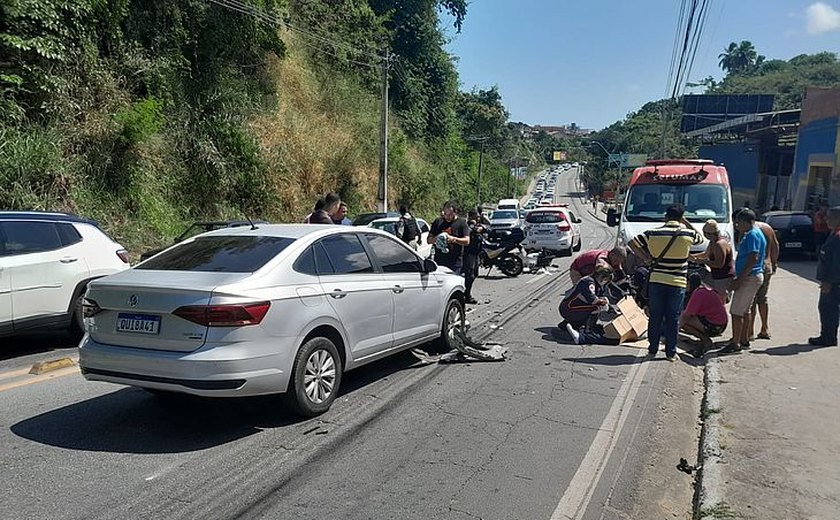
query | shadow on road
[611, 360]
[131, 420]
[35, 343]
[788, 350]
[803, 268]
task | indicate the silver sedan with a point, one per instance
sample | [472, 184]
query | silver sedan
[264, 310]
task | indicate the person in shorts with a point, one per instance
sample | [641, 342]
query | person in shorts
[705, 314]
[771, 263]
[749, 275]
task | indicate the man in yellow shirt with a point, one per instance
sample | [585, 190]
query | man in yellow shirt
[667, 248]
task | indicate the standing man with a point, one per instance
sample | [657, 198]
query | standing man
[471, 253]
[828, 273]
[407, 229]
[771, 262]
[667, 248]
[749, 275]
[332, 204]
[455, 235]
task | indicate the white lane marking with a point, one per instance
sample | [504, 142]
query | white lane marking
[576, 498]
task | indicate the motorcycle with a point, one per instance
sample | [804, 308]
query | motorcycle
[502, 248]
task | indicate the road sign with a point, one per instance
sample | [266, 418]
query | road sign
[559, 156]
[627, 160]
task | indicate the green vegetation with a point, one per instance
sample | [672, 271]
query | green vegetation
[718, 512]
[747, 72]
[145, 115]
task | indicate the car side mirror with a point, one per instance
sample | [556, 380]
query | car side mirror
[612, 217]
[578, 220]
[429, 266]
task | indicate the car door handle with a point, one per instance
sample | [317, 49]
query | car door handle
[68, 259]
[397, 289]
[338, 294]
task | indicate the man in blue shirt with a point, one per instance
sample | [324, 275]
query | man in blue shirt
[749, 275]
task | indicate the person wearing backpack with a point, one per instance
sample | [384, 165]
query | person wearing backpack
[407, 229]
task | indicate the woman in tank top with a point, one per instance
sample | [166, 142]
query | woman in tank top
[718, 256]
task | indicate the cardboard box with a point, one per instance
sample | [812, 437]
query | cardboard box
[631, 324]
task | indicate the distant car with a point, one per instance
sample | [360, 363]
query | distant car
[197, 228]
[277, 309]
[389, 224]
[47, 261]
[554, 228]
[505, 219]
[794, 229]
[363, 219]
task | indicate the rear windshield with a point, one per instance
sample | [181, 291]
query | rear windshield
[221, 254]
[504, 214]
[545, 217]
[786, 221]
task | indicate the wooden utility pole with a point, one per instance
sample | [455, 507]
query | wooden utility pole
[382, 192]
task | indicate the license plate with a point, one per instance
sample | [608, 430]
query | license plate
[543, 231]
[793, 244]
[138, 323]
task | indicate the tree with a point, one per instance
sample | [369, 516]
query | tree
[740, 58]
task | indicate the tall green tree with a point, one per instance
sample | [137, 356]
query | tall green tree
[739, 58]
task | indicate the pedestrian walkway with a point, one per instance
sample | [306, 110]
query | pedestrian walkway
[774, 428]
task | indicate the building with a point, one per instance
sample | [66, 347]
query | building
[816, 168]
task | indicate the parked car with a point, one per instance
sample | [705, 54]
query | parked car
[202, 227]
[363, 219]
[47, 261]
[505, 219]
[552, 227]
[285, 308]
[389, 224]
[794, 229]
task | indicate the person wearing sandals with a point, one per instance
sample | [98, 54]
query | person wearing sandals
[771, 262]
[705, 314]
[718, 257]
[749, 269]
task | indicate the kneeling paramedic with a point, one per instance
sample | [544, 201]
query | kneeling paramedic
[586, 299]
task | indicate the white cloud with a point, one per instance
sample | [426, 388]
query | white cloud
[822, 18]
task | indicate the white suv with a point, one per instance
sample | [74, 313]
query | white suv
[552, 227]
[46, 262]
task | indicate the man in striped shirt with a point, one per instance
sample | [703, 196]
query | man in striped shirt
[666, 289]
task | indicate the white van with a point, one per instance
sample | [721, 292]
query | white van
[508, 204]
[699, 185]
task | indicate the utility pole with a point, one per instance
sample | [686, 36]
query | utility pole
[382, 192]
[480, 165]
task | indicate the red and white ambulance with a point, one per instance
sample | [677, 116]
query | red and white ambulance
[698, 184]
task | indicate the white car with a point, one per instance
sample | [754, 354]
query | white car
[389, 224]
[265, 310]
[552, 227]
[505, 219]
[47, 261]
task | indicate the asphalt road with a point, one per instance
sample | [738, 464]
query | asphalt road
[556, 431]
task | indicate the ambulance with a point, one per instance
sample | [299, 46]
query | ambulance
[698, 184]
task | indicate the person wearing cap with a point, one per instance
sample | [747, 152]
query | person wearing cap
[718, 257]
[705, 314]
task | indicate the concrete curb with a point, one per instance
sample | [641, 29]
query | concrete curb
[710, 496]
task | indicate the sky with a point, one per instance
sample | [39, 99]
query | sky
[591, 62]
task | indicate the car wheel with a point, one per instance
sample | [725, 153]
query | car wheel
[316, 377]
[578, 246]
[452, 316]
[77, 319]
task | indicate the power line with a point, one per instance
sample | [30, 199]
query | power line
[269, 19]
